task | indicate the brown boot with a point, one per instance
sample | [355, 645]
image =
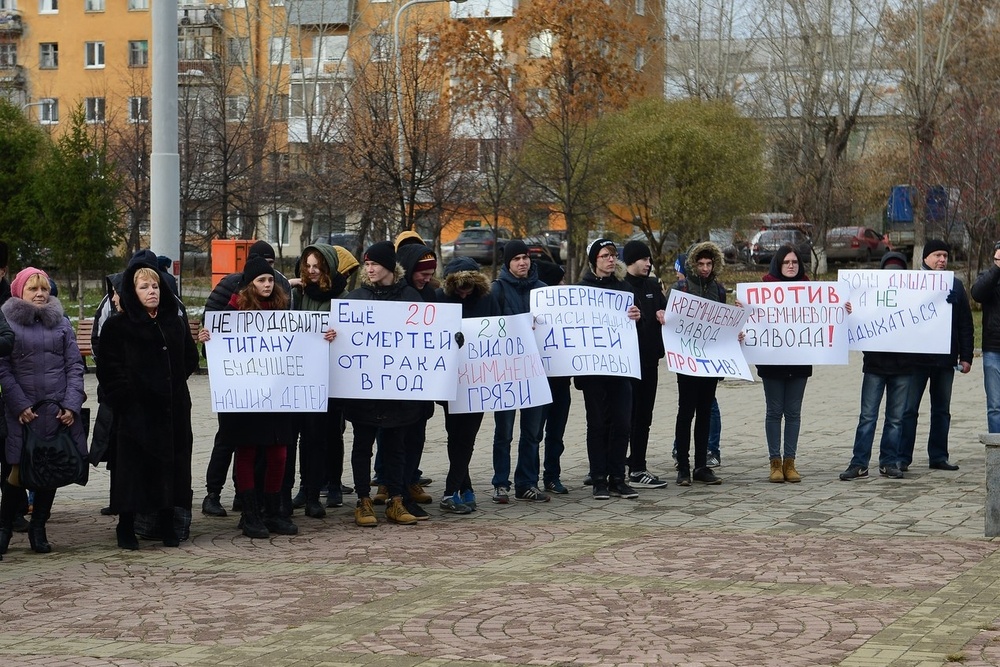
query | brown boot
[418, 495]
[396, 512]
[789, 471]
[381, 495]
[776, 473]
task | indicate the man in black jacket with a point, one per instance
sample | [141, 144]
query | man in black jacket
[888, 373]
[938, 370]
[648, 294]
[986, 291]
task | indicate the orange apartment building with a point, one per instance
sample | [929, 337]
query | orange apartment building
[248, 60]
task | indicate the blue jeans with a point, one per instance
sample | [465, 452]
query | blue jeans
[941, 379]
[895, 388]
[991, 380]
[526, 473]
[783, 398]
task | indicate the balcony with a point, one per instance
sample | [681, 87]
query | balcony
[200, 15]
[481, 9]
[318, 12]
[313, 68]
[10, 22]
[12, 76]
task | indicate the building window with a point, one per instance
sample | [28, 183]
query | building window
[540, 45]
[640, 7]
[93, 54]
[329, 48]
[640, 59]
[138, 53]
[48, 111]
[9, 5]
[94, 109]
[279, 106]
[93, 5]
[238, 50]
[234, 224]
[138, 109]
[277, 228]
[314, 99]
[381, 45]
[195, 223]
[48, 55]
[281, 51]
[236, 107]
[133, 5]
[194, 47]
[8, 55]
[48, 6]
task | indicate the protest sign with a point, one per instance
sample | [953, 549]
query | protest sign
[898, 311]
[794, 322]
[267, 360]
[394, 350]
[583, 330]
[499, 367]
[701, 337]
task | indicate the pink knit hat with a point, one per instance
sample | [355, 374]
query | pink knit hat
[17, 285]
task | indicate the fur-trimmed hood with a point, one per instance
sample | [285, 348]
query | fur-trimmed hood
[691, 263]
[480, 283]
[25, 313]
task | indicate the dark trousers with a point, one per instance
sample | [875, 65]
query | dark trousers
[413, 441]
[462, 431]
[554, 418]
[321, 449]
[694, 401]
[643, 400]
[391, 445]
[218, 463]
[608, 401]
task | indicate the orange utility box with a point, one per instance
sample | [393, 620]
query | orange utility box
[228, 256]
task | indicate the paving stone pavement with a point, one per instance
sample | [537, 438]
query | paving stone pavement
[865, 573]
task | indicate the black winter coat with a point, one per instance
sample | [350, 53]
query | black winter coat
[962, 332]
[986, 290]
[375, 412]
[649, 297]
[145, 364]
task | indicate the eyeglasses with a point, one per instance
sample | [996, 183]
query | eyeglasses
[607, 255]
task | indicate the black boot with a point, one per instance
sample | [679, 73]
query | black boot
[251, 520]
[125, 531]
[314, 508]
[272, 516]
[285, 508]
[37, 538]
[7, 513]
[167, 531]
[212, 505]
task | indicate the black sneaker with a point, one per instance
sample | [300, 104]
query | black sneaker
[647, 479]
[854, 472]
[601, 491]
[416, 510]
[619, 489]
[890, 471]
[555, 486]
[532, 493]
[706, 476]
[683, 478]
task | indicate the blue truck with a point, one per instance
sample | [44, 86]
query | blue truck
[940, 217]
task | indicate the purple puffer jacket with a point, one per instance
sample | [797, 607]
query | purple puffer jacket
[45, 363]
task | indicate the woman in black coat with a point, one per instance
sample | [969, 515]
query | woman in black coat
[246, 432]
[147, 355]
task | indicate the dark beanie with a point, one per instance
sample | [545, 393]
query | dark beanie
[255, 266]
[460, 264]
[512, 250]
[382, 253]
[261, 249]
[934, 245]
[426, 262]
[634, 251]
[595, 249]
[163, 262]
[549, 273]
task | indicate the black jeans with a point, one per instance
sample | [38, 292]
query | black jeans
[608, 401]
[643, 400]
[462, 431]
[391, 444]
[218, 464]
[694, 401]
[321, 449]
[554, 419]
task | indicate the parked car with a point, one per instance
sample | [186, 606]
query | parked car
[479, 243]
[734, 245]
[860, 244]
[547, 245]
[765, 243]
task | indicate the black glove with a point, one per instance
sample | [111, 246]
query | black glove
[952, 297]
[460, 339]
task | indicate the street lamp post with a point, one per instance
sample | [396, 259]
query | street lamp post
[40, 103]
[398, 59]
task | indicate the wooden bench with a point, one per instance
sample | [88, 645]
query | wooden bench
[85, 329]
